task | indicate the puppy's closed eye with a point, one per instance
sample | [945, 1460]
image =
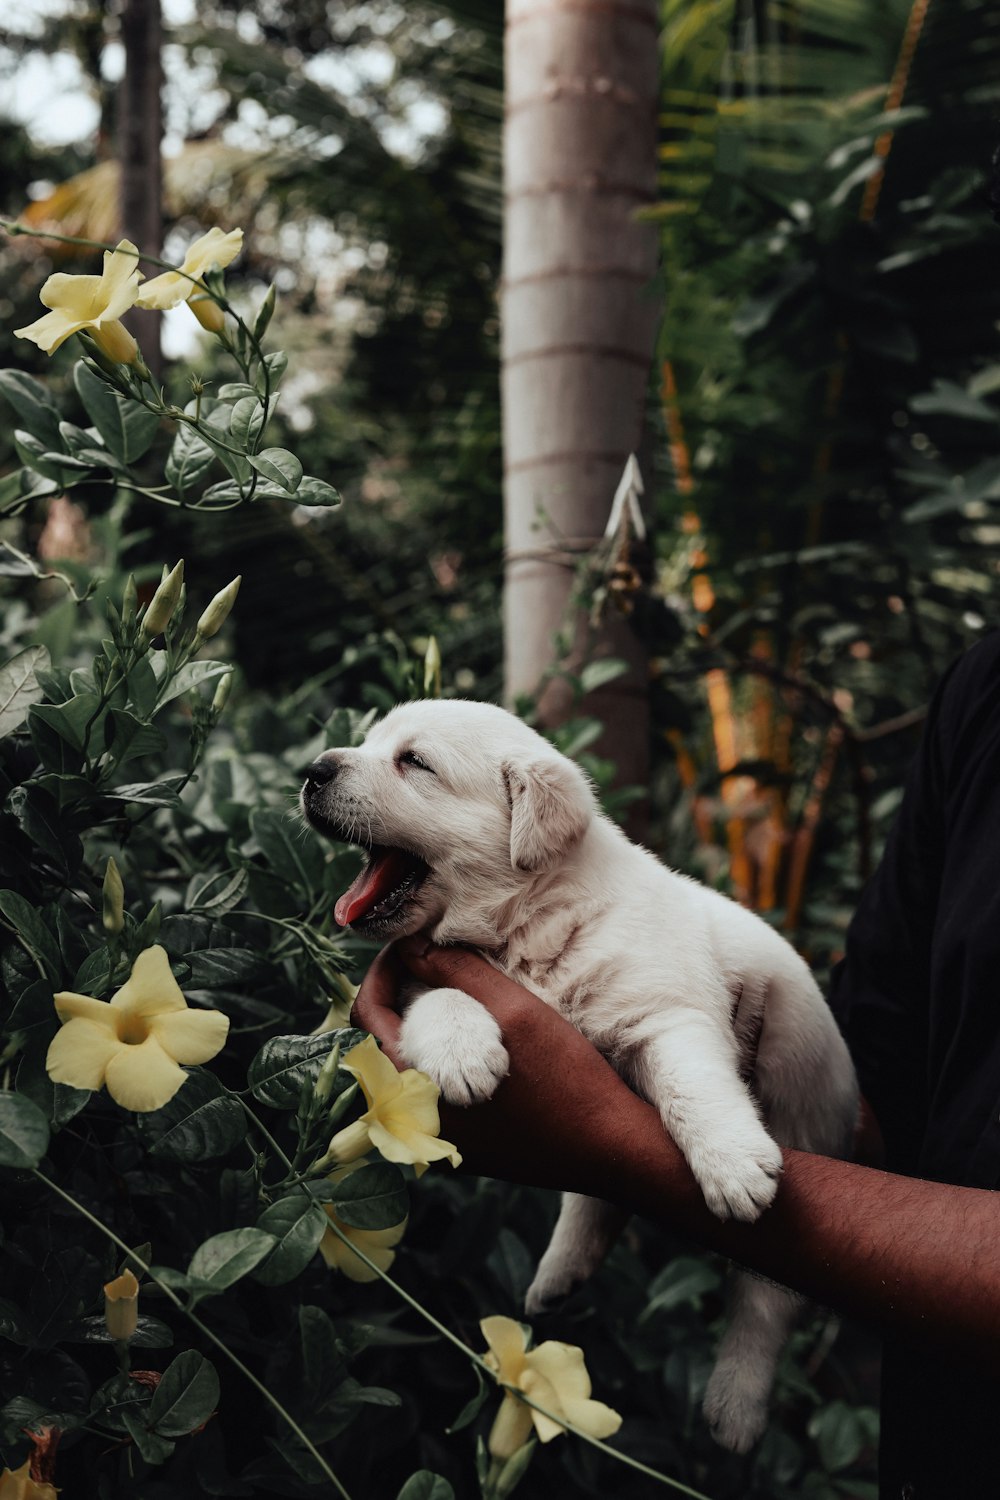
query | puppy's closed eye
[411, 758]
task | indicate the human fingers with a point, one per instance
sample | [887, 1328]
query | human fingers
[374, 1007]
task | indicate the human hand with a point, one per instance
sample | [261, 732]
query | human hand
[561, 1118]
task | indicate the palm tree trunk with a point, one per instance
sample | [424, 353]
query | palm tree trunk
[578, 324]
[140, 132]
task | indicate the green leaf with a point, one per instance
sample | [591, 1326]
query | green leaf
[24, 1132]
[288, 848]
[313, 491]
[285, 1063]
[424, 1485]
[33, 404]
[132, 738]
[188, 460]
[246, 421]
[153, 1448]
[202, 1121]
[126, 427]
[19, 686]
[839, 1435]
[596, 673]
[39, 815]
[216, 891]
[32, 932]
[186, 1396]
[473, 1406]
[78, 722]
[280, 466]
[217, 967]
[950, 400]
[149, 793]
[373, 1197]
[58, 1102]
[190, 677]
[225, 1258]
[298, 1224]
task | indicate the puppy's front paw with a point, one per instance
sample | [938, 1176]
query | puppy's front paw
[456, 1042]
[738, 1178]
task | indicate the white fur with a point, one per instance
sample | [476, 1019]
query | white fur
[667, 978]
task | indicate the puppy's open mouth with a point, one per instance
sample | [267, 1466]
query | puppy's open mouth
[378, 896]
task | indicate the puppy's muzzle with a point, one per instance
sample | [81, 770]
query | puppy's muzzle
[320, 773]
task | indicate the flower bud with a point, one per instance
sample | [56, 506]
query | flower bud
[164, 601]
[326, 1076]
[114, 340]
[207, 311]
[113, 893]
[221, 695]
[121, 1306]
[130, 599]
[217, 611]
[432, 669]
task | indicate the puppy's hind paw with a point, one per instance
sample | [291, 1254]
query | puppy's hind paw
[457, 1043]
[734, 1408]
[549, 1288]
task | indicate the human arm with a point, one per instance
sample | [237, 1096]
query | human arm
[920, 1258]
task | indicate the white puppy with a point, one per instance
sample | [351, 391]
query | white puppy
[480, 832]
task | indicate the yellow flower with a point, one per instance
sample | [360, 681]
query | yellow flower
[121, 1306]
[375, 1243]
[91, 303]
[554, 1375]
[401, 1121]
[17, 1484]
[216, 248]
[135, 1042]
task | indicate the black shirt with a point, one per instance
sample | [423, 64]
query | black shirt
[918, 997]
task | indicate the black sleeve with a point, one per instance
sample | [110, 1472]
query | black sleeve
[880, 991]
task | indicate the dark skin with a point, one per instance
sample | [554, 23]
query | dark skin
[919, 1258]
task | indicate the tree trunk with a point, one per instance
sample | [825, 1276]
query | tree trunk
[578, 326]
[140, 132]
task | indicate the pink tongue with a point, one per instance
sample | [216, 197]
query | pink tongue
[375, 881]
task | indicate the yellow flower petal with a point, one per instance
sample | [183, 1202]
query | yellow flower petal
[563, 1365]
[69, 1004]
[143, 1077]
[170, 289]
[72, 295]
[50, 330]
[215, 248]
[164, 291]
[511, 1427]
[375, 1243]
[374, 1071]
[191, 1036]
[507, 1341]
[151, 989]
[80, 1052]
[350, 1143]
[17, 1484]
[410, 1147]
[120, 282]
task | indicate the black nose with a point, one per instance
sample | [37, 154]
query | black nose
[321, 771]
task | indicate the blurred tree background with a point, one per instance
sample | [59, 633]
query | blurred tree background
[820, 459]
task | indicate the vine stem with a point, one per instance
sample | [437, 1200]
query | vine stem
[480, 1363]
[214, 1338]
[263, 1130]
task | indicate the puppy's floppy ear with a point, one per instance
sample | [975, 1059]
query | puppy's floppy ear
[551, 803]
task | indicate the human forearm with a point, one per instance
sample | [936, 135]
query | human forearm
[917, 1257]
